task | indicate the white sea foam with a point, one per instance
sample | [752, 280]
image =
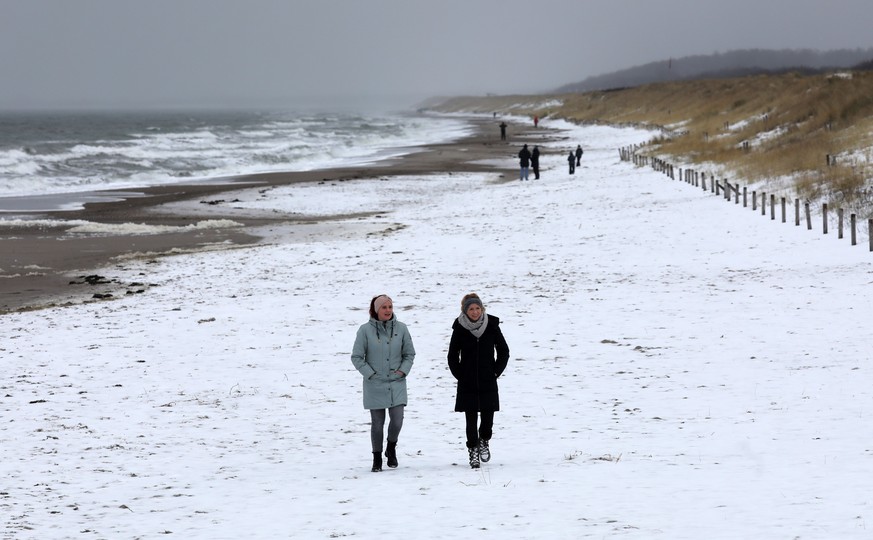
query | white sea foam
[40, 223]
[143, 229]
[78, 226]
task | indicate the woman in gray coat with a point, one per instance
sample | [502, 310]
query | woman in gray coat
[383, 355]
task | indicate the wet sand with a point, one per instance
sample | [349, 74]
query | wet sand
[46, 266]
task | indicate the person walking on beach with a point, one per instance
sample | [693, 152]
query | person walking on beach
[536, 120]
[572, 161]
[524, 162]
[476, 336]
[383, 354]
[535, 162]
[502, 131]
[578, 154]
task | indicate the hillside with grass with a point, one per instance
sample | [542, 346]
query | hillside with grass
[808, 136]
[730, 64]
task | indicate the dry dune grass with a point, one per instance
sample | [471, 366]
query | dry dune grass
[790, 123]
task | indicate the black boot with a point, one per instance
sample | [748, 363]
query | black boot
[484, 451]
[474, 456]
[391, 454]
[377, 461]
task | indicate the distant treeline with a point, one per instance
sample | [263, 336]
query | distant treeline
[731, 64]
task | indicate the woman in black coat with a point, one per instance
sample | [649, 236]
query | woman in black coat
[475, 339]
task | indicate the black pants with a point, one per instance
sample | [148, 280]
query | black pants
[536, 169]
[483, 431]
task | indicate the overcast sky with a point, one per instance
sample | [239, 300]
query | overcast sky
[179, 53]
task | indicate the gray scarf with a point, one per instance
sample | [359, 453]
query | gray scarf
[476, 328]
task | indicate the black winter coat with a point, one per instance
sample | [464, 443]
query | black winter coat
[524, 158]
[473, 364]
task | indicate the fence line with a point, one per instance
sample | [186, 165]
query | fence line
[726, 190]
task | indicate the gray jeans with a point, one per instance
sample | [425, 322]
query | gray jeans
[377, 424]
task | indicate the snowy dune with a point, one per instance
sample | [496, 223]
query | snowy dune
[680, 368]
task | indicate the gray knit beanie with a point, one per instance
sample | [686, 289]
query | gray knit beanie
[470, 301]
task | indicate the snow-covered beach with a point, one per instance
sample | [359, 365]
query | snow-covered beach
[681, 368]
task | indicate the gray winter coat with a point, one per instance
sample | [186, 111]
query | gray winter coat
[380, 349]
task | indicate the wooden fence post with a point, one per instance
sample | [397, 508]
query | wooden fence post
[824, 217]
[745, 196]
[839, 223]
[797, 212]
[763, 203]
[783, 209]
[808, 217]
[852, 225]
[772, 207]
[870, 232]
[754, 200]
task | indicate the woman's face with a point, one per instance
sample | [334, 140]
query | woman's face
[474, 312]
[386, 311]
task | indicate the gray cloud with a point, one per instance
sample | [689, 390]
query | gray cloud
[110, 53]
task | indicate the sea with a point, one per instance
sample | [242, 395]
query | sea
[45, 153]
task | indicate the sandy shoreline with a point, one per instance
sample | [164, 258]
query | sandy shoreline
[44, 266]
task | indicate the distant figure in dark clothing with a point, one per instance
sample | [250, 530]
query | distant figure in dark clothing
[535, 162]
[578, 154]
[536, 120]
[502, 131]
[572, 161]
[524, 161]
